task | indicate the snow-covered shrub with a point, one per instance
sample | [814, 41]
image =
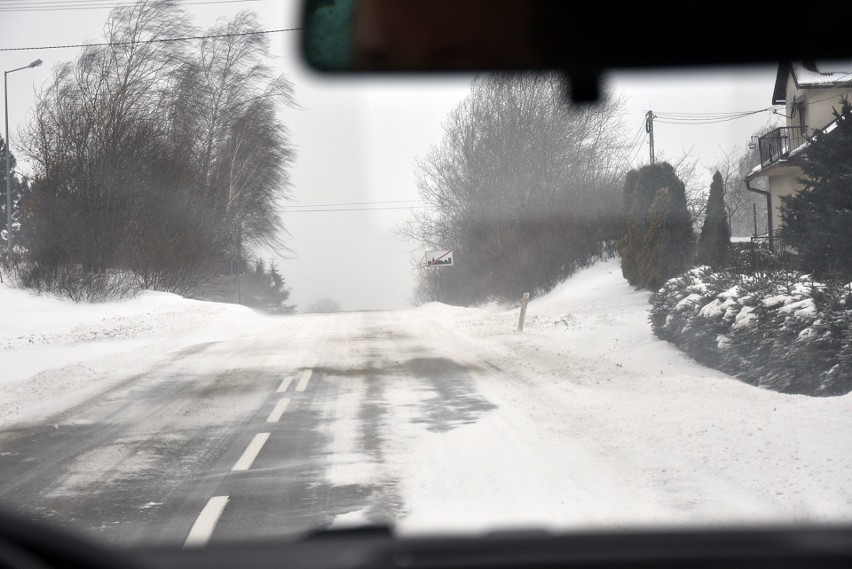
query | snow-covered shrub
[680, 313]
[781, 330]
[749, 257]
[831, 337]
[70, 281]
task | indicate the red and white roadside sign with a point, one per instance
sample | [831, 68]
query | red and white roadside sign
[439, 258]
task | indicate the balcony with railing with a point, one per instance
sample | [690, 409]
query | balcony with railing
[778, 143]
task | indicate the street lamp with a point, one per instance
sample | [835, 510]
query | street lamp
[35, 63]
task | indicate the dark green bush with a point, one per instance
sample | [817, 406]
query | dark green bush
[780, 330]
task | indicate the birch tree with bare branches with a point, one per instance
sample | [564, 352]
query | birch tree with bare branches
[159, 159]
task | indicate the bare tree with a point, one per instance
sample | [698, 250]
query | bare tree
[89, 124]
[160, 159]
[523, 187]
[744, 208]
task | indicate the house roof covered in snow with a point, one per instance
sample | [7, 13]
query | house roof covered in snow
[811, 75]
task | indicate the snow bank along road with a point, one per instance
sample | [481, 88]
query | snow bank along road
[177, 422]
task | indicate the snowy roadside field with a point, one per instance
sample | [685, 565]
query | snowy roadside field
[56, 353]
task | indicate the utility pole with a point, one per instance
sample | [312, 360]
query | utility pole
[649, 128]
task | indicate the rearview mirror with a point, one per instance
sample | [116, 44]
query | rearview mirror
[581, 40]
[420, 35]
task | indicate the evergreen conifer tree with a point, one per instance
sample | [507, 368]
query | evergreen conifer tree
[817, 221]
[19, 189]
[632, 229]
[640, 187]
[651, 265]
[715, 240]
[647, 261]
[279, 292]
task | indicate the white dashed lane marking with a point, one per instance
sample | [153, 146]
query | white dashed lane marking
[278, 411]
[303, 381]
[206, 522]
[204, 525]
[285, 385]
[245, 461]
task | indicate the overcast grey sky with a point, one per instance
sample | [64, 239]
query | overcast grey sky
[356, 140]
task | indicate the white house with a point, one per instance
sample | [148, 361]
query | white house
[810, 91]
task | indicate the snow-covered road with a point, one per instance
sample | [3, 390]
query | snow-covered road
[164, 420]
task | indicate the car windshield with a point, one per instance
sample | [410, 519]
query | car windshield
[243, 300]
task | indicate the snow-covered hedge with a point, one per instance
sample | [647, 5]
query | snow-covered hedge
[776, 330]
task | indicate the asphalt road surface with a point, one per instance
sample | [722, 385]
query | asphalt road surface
[434, 419]
[233, 439]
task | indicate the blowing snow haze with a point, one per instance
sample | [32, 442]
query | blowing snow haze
[218, 326]
[356, 142]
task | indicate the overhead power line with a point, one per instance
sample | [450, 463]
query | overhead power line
[716, 115]
[285, 210]
[351, 203]
[707, 118]
[636, 137]
[156, 40]
[57, 6]
[639, 148]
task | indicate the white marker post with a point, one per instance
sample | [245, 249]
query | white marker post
[524, 302]
[442, 258]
